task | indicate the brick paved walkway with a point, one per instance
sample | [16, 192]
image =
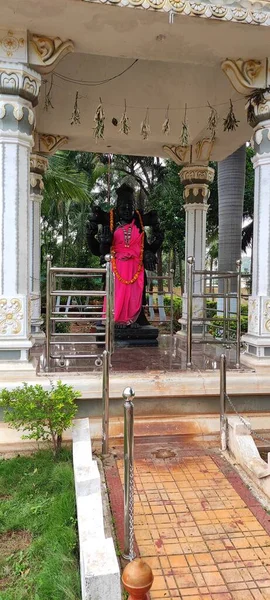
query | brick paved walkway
[197, 525]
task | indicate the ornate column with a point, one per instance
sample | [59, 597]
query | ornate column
[19, 215]
[19, 89]
[196, 180]
[253, 77]
[196, 177]
[45, 145]
[38, 166]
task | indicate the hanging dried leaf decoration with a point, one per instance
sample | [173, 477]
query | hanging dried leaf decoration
[145, 126]
[230, 123]
[99, 121]
[184, 137]
[256, 98]
[48, 96]
[76, 115]
[125, 122]
[166, 127]
[212, 121]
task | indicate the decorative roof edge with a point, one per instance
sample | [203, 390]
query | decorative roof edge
[222, 12]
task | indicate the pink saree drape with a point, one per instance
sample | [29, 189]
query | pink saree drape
[128, 297]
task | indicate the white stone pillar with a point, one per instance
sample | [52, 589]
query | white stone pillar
[196, 180]
[252, 78]
[258, 337]
[38, 166]
[19, 89]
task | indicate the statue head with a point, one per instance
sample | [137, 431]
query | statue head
[125, 204]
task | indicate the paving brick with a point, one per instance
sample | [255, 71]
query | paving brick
[196, 524]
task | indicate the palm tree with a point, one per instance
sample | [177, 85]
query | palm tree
[231, 187]
[69, 184]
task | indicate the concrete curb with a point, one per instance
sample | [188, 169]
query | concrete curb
[100, 573]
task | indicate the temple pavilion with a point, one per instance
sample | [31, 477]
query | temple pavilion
[61, 61]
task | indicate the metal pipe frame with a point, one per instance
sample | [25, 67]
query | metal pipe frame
[171, 302]
[238, 313]
[48, 312]
[77, 270]
[74, 356]
[128, 395]
[223, 418]
[190, 279]
[227, 317]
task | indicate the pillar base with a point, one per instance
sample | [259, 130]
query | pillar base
[258, 350]
[14, 350]
[197, 329]
[20, 366]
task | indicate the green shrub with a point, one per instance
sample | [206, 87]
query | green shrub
[217, 324]
[177, 309]
[211, 308]
[244, 309]
[43, 414]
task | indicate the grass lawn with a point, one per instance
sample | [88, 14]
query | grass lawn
[38, 536]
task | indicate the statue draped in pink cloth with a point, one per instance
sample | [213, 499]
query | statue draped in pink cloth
[124, 237]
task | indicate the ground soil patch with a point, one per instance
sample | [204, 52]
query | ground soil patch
[12, 541]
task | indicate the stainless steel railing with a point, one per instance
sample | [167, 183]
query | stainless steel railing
[159, 305]
[99, 344]
[223, 418]
[197, 287]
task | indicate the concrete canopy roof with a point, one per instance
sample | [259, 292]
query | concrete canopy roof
[178, 64]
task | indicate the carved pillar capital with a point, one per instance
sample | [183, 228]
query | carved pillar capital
[19, 90]
[38, 167]
[247, 75]
[48, 143]
[196, 180]
[40, 51]
[198, 153]
[252, 79]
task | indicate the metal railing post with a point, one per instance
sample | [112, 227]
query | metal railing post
[106, 361]
[171, 301]
[223, 418]
[190, 267]
[105, 401]
[128, 395]
[108, 303]
[48, 312]
[238, 315]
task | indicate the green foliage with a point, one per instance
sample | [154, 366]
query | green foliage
[177, 309]
[43, 414]
[217, 326]
[39, 501]
[244, 310]
[211, 308]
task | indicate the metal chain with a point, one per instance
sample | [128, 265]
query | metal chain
[253, 433]
[131, 512]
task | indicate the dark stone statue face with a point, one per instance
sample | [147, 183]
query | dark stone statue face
[125, 204]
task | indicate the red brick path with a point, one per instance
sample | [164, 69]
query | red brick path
[196, 523]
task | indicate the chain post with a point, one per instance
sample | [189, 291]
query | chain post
[106, 359]
[223, 418]
[238, 315]
[190, 268]
[171, 301]
[48, 311]
[128, 395]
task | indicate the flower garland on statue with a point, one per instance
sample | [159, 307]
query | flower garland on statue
[114, 267]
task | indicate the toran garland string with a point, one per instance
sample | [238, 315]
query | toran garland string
[114, 267]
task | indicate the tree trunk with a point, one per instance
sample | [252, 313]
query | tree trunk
[231, 187]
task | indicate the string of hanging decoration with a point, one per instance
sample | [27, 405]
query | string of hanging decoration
[230, 122]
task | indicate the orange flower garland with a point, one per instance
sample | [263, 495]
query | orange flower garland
[114, 267]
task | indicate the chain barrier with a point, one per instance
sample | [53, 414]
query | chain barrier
[131, 512]
[128, 554]
[244, 422]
